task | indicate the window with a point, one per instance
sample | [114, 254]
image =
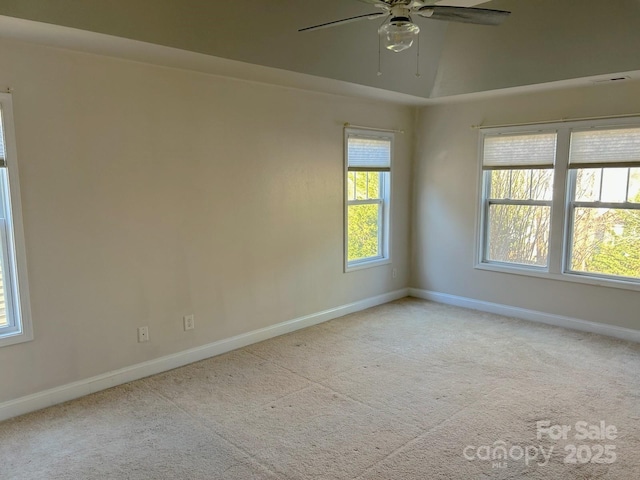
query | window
[563, 201]
[604, 206]
[518, 172]
[368, 158]
[15, 321]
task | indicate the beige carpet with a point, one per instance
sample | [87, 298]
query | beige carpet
[407, 390]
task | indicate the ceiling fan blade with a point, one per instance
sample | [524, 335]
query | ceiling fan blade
[479, 16]
[370, 16]
[378, 3]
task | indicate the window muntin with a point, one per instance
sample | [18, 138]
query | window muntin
[368, 177]
[15, 321]
[518, 190]
[593, 204]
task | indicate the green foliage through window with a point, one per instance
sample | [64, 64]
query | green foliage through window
[363, 231]
[364, 215]
[607, 240]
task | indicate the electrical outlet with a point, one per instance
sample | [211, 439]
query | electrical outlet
[189, 322]
[143, 334]
[394, 272]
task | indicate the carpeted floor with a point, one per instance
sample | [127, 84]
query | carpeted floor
[408, 390]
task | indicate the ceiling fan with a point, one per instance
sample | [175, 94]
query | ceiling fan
[398, 31]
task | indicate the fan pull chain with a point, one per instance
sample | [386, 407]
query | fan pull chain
[418, 56]
[379, 56]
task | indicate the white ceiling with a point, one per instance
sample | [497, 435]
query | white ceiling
[544, 41]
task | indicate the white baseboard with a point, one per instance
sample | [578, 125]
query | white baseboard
[47, 398]
[531, 315]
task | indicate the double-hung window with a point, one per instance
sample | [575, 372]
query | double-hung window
[368, 158]
[15, 322]
[563, 201]
[518, 183]
[604, 193]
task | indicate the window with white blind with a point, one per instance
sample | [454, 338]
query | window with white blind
[518, 185]
[563, 201]
[368, 159]
[15, 321]
[604, 206]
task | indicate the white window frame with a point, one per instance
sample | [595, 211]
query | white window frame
[487, 201]
[384, 219]
[558, 267]
[13, 257]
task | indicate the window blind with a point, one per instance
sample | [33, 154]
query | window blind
[371, 154]
[618, 147]
[533, 150]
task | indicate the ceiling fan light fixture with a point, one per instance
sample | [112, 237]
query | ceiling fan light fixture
[398, 34]
[427, 12]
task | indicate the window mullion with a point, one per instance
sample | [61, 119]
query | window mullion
[560, 202]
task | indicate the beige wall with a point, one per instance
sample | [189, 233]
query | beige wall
[446, 204]
[149, 193]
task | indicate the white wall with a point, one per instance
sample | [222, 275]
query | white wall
[149, 193]
[446, 204]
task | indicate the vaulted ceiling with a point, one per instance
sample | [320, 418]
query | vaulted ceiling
[543, 41]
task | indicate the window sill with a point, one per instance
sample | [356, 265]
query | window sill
[367, 264]
[7, 339]
[564, 277]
